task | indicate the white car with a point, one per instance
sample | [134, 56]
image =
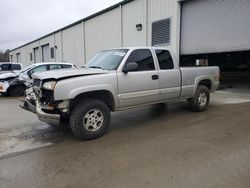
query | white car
[14, 83]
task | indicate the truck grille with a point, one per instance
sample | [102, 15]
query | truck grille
[37, 83]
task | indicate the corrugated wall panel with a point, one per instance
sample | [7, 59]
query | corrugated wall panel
[215, 26]
[59, 47]
[132, 14]
[73, 45]
[103, 32]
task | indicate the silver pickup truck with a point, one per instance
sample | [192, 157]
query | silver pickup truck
[114, 80]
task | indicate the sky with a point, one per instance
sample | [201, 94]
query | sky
[22, 21]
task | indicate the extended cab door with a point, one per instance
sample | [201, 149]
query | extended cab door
[170, 76]
[142, 86]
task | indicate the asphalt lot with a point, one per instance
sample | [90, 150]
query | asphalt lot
[155, 146]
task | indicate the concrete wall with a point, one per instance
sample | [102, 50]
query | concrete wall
[115, 28]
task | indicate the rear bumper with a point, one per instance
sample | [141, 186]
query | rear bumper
[215, 86]
[51, 119]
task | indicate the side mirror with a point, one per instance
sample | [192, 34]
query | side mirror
[29, 75]
[130, 67]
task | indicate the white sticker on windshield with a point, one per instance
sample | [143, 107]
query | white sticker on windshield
[122, 54]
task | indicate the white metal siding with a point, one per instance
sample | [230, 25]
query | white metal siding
[73, 45]
[215, 26]
[58, 47]
[102, 32]
[132, 14]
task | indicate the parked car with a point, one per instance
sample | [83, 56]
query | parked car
[10, 67]
[115, 80]
[15, 83]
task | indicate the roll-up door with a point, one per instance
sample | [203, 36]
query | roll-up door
[215, 26]
[18, 57]
[36, 55]
[46, 53]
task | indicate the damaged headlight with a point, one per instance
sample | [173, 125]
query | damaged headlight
[49, 85]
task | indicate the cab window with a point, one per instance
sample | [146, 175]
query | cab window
[144, 59]
[165, 60]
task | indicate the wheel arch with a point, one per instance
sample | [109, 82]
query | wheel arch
[204, 80]
[103, 95]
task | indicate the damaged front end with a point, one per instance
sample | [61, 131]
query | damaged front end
[40, 101]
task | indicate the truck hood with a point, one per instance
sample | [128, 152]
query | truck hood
[67, 73]
[8, 75]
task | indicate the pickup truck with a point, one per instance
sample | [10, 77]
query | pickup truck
[114, 80]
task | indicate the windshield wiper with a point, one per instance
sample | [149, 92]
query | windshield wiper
[95, 67]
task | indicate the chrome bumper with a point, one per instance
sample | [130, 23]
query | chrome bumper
[51, 119]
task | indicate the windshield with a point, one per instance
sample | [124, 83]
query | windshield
[107, 60]
[26, 69]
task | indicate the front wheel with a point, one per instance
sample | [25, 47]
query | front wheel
[201, 100]
[16, 91]
[90, 119]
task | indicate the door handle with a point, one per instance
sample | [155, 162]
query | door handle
[155, 77]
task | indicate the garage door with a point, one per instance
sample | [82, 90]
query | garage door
[215, 26]
[36, 55]
[45, 53]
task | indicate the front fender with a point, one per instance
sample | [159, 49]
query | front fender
[85, 89]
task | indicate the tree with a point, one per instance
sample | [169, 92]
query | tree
[4, 57]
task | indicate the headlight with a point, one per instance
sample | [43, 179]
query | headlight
[49, 85]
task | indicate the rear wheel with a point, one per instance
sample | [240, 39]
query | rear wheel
[16, 91]
[90, 119]
[201, 100]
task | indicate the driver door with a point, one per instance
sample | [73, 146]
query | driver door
[142, 86]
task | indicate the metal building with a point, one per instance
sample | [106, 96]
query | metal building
[195, 29]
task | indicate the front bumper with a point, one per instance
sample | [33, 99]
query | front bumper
[32, 104]
[4, 87]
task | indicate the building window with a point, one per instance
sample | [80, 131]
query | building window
[161, 32]
[52, 53]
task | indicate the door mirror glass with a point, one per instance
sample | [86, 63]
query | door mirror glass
[130, 67]
[29, 74]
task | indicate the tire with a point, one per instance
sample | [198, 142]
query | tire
[90, 119]
[63, 125]
[201, 100]
[16, 91]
